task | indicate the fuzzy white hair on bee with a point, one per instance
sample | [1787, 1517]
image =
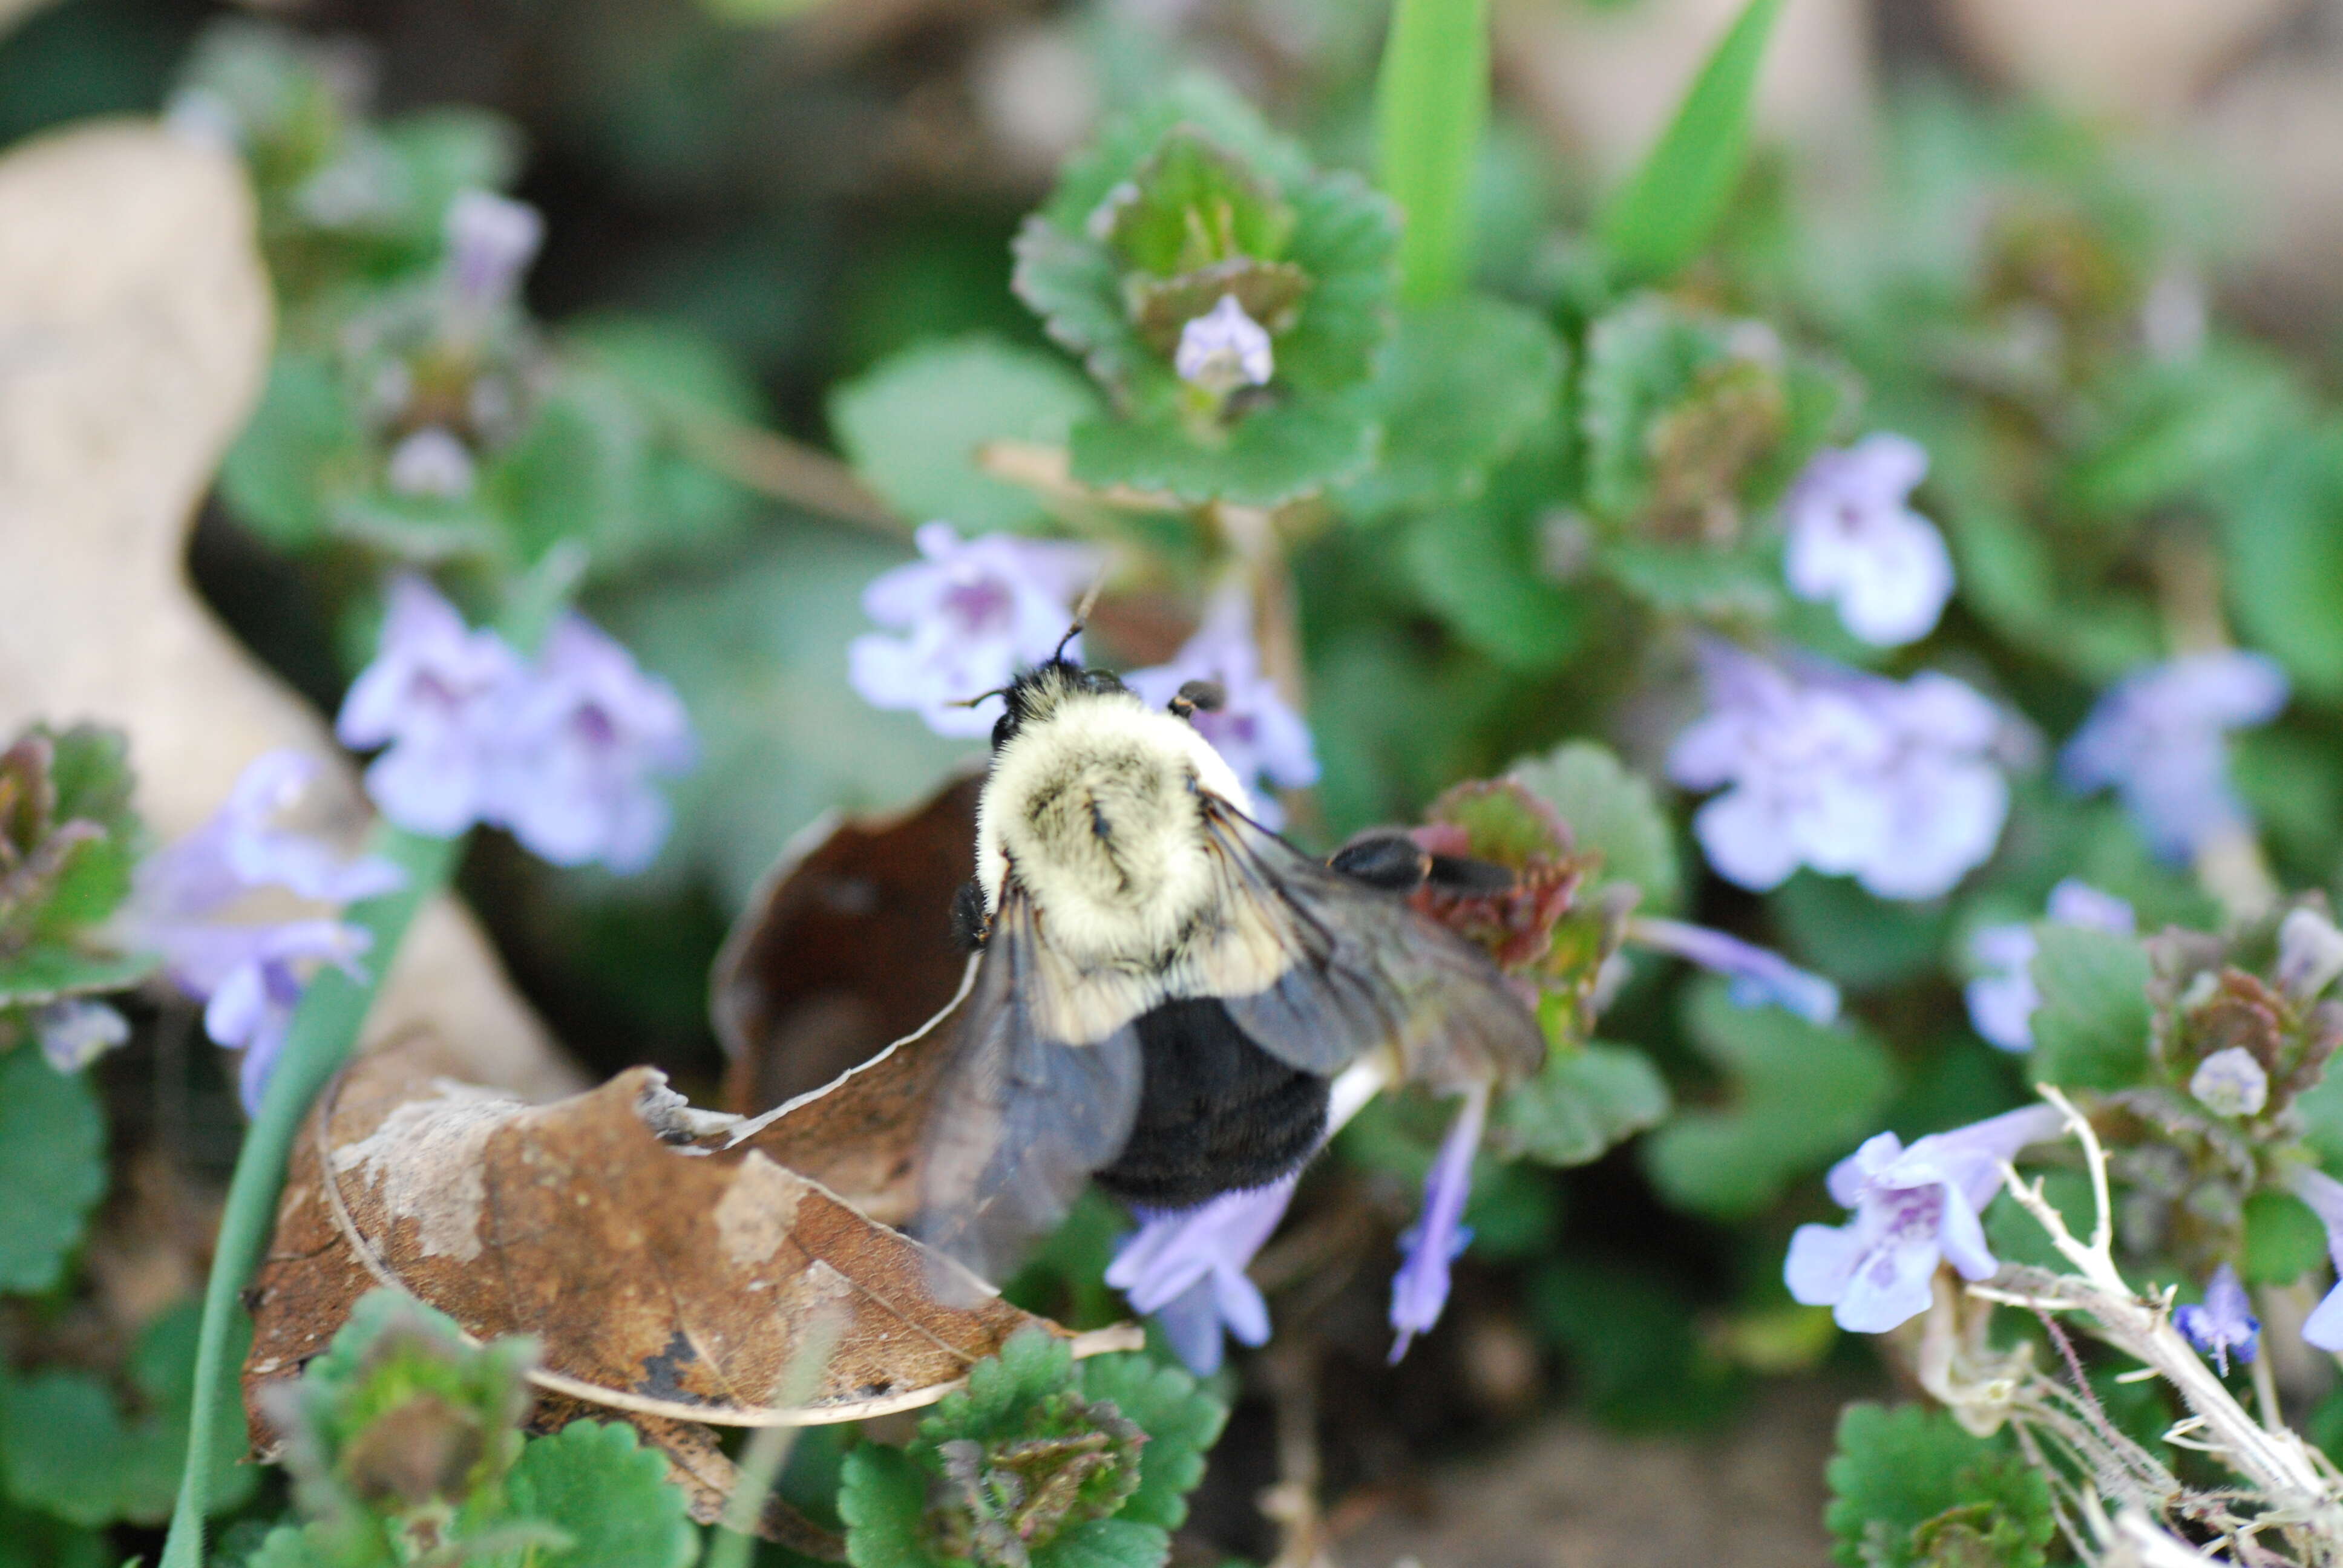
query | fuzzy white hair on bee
[1094, 797]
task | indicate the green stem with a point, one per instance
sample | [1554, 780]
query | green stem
[1431, 104]
[323, 1029]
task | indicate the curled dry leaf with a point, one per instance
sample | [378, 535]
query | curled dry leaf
[134, 338]
[846, 946]
[670, 1279]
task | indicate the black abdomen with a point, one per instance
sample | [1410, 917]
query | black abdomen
[1216, 1112]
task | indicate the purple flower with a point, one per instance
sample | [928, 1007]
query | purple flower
[1850, 774]
[1264, 740]
[1187, 1267]
[437, 695]
[1853, 539]
[431, 463]
[2324, 1194]
[2230, 1084]
[1420, 1289]
[974, 612]
[561, 750]
[2310, 953]
[2223, 1323]
[1224, 349]
[491, 240]
[2156, 738]
[250, 974]
[1760, 977]
[1913, 1208]
[77, 1031]
[2003, 999]
[586, 731]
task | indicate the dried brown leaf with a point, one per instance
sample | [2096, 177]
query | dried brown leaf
[846, 946]
[667, 1280]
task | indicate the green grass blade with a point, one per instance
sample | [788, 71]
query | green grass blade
[323, 1029]
[1431, 104]
[1662, 216]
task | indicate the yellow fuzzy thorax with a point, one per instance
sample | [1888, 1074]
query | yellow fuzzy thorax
[1094, 801]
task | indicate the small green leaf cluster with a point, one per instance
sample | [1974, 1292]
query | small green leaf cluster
[71, 1449]
[1172, 209]
[404, 1444]
[68, 842]
[410, 417]
[1909, 1489]
[1038, 1464]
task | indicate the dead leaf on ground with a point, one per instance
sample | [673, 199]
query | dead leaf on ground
[846, 946]
[669, 1280]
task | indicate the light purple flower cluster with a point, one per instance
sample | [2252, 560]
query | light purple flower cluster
[2002, 999]
[1855, 539]
[250, 974]
[1187, 1267]
[1759, 977]
[559, 750]
[972, 613]
[1264, 740]
[2157, 738]
[1914, 1209]
[1851, 774]
[2224, 1324]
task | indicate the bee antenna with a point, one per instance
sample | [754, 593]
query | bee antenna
[980, 697]
[1081, 616]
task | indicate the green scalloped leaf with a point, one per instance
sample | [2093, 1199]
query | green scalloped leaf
[912, 426]
[52, 1168]
[68, 1448]
[1266, 459]
[1182, 1423]
[1803, 1094]
[599, 1485]
[50, 971]
[1582, 1104]
[882, 1499]
[2090, 1029]
[1909, 1489]
[1461, 384]
[1613, 812]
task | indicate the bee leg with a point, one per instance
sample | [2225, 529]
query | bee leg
[968, 919]
[1393, 861]
[1399, 864]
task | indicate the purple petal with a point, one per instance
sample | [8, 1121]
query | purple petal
[2158, 738]
[1420, 1288]
[1760, 977]
[1822, 1259]
[77, 1031]
[2225, 1324]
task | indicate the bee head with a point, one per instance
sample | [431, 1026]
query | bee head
[1040, 691]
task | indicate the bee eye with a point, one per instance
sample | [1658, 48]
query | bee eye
[1199, 697]
[1002, 728]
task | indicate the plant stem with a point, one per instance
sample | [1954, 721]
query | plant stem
[1431, 104]
[323, 1029]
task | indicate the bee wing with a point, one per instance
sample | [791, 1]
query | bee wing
[1021, 1119]
[1364, 969]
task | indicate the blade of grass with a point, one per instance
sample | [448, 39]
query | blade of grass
[324, 1029]
[1432, 102]
[1667, 211]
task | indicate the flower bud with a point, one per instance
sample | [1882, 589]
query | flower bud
[2230, 1084]
[1224, 349]
[2310, 953]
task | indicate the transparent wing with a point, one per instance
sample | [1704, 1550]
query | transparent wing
[1021, 1119]
[1364, 969]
